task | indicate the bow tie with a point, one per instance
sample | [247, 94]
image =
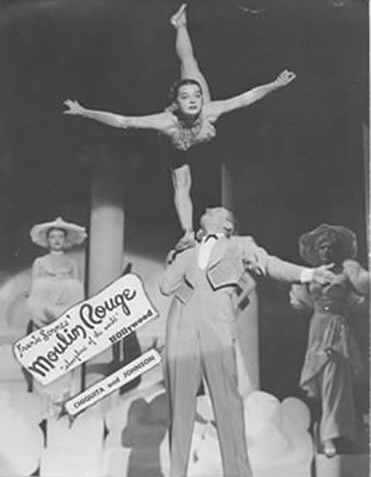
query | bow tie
[211, 236]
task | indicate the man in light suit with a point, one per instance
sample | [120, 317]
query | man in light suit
[209, 282]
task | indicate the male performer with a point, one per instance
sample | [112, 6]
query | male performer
[209, 281]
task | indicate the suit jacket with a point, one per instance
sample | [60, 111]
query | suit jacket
[226, 269]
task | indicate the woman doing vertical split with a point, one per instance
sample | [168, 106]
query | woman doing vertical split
[189, 120]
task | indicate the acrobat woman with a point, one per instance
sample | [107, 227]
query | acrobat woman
[189, 120]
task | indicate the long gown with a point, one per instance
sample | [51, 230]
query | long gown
[332, 358]
[55, 288]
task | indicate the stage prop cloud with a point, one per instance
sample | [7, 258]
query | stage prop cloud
[277, 436]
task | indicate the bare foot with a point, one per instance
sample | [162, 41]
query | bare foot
[329, 448]
[187, 241]
[179, 18]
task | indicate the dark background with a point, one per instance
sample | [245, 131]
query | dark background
[295, 158]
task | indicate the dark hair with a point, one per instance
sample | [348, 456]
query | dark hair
[48, 232]
[174, 89]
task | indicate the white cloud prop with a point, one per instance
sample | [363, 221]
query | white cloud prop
[29, 405]
[283, 445]
[21, 449]
[277, 434]
[260, 409]
[295, 416]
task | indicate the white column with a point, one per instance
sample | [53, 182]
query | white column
[106, 237]
[107, 221]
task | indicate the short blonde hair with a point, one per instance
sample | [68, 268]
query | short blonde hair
[231, 227]
[230, 230]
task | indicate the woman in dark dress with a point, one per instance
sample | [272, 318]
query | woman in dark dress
[189, 120]
[332, 358]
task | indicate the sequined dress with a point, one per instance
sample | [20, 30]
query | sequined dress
[183, 137]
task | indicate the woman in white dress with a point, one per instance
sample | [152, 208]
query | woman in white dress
[55, 287]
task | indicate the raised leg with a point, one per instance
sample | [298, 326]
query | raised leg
[183, 46]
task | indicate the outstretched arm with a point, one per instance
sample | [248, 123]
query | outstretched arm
[259, 262]
[243, 100]
[154, 121]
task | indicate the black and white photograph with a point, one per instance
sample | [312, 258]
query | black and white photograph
[184, 238]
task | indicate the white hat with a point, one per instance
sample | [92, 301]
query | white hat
[75, 234]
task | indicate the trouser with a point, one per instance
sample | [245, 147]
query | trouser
[184, 373]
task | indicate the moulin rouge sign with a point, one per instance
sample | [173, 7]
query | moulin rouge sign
[85, 330]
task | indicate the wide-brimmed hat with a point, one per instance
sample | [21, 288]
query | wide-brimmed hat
[75, 234]
[346, 241]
